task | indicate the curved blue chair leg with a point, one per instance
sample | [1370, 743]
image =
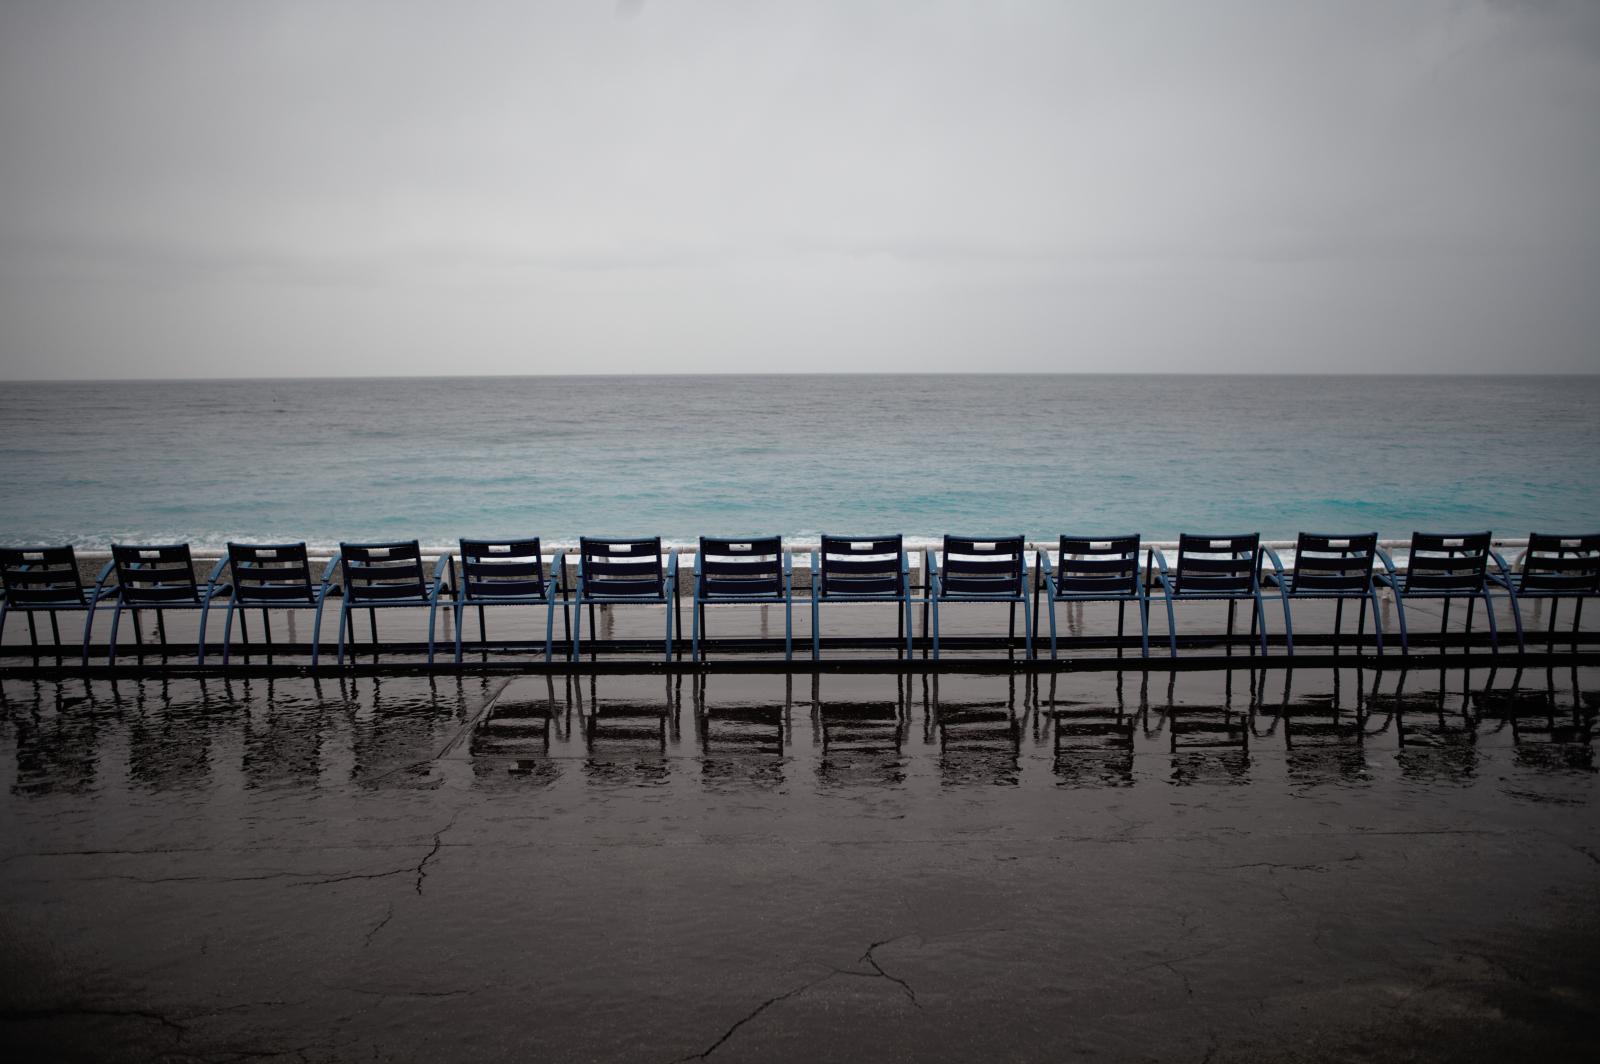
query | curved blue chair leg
[1144, 627]
[433, 613]
[1172, 624]
[909, 634]
[816, 625]
[344, 624]
[116, 620]
[694, 624]
[549, 629]
[2, 620]
[459, 607]
[1377, 618]
[205, 611]
[1400, 612]
[1261, 613]
[670, 610]
[1516, 617]
[88, 629]
[577, 626]
[227, 633]
[1494, 629]
[1050, 599]
[316, 630]
[1027, 628]
[1288, 621]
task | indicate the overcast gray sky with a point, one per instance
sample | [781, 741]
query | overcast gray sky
[280, 188]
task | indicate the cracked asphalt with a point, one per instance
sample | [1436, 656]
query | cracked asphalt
[1308, 866]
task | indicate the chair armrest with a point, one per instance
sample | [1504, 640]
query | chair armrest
[446, 563]
[1162, 573]
[1277, 565]
[1504, 577]
[1391, 575]
[100, 581]
[211, 580]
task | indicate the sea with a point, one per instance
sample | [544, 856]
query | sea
[435, 459]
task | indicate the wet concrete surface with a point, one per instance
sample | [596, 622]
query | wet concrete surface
[1305, 866]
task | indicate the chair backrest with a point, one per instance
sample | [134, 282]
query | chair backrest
[382, 572]
[1337, 564]
[743, 567]
[1441, 562]
[624, 568]
[1218, 565]
[1090, 566]
[502, 568]
[270, 573]
[154, 575]
[982, 566]
[41, 576]
[862, 565]
[1562, 563]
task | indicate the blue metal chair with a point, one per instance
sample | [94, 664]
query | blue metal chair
[383, 576]
[1442, 566]
[272, 576]
[982, 569]
[743, 571]
[510, 572]
[1214, 568]
[625, 572]
[1553, 567]
[1094, 569]
[45, 579]
[861, 569]
[160, 578]
[1329, 567]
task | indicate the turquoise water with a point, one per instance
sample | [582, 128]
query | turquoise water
[436, 459]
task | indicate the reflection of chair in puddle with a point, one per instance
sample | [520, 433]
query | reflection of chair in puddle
[1209, 744]
[1546, 734]
[1324, 741]
[980, 741]
[1436, 735]
[395, 733]
[741, 742]
[626, 740]
[57, 740]
[861, 740]
[512, 741]
[169, 742]
[1094, 740]
[282, 736]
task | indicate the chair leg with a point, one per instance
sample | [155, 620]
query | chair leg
[1261, 616]
[1377, 617]
[1338, 624]
[345, 628]
[227, 633]
[1400, 613]
[1577, 618]
[460, 608]
[1494, 626]
[316, 631]
[1027, 629]
[549, 630]
[55, 636]
[1012, 636]
[577, 633]
[1228, 646]
[935, 629]
[1172, 626]
[906, 620]
[1361, 626]
[1550, 631]
[669, 611]
[697, 626]
[816, 627]
[266, 632]
[1051, 607]
[788, 628]
[1144, 629]
[116, 619]
[1122, 612]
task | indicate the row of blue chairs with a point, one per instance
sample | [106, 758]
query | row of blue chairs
[845, 569]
